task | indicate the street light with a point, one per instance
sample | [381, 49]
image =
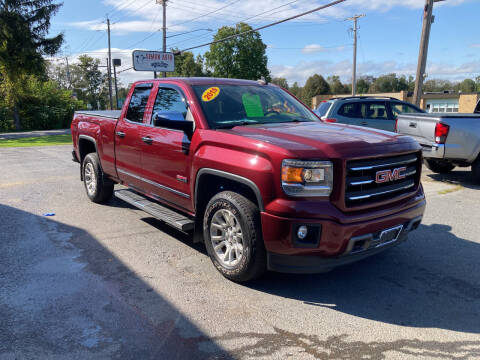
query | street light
[188, 32]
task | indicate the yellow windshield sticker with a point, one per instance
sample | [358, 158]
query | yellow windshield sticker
[210, 94]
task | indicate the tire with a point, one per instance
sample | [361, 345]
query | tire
[233, 220]
[439, 166]
[476, 171]
[99, 189]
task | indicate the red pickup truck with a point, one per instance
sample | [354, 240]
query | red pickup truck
[252, 172]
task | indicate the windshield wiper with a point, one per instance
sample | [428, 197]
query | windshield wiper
[229, 126]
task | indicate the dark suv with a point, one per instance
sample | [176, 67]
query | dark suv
[370, 111]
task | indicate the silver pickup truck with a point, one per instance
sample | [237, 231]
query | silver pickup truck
[447, 140]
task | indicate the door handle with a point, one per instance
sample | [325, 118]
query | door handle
[120, 134]
[413, 125]
[147, 140]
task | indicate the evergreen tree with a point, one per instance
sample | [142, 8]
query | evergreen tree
[24, 27]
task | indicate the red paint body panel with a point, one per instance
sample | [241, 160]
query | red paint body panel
[255, 153]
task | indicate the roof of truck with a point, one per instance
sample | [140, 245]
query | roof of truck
[206, 81]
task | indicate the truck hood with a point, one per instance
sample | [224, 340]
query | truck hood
[331, 139]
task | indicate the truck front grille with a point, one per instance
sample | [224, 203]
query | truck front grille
[374, 180]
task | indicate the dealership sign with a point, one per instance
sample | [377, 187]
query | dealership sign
[153, 61]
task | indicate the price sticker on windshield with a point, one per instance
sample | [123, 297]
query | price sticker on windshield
[210, 94]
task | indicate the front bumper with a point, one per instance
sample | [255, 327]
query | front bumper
[338, 242]
[358, 248]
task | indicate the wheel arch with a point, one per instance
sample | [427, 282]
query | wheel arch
[213, 181]
[86, 145]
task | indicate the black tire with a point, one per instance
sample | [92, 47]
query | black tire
[252, 262]
[102, 190]
[439, 166]
[476, 171]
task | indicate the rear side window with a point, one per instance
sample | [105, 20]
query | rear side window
[374, 110]
[351, 110]
[400, 108]
[323, 108]
[138, 102]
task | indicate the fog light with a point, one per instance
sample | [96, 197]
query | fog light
[302, 232]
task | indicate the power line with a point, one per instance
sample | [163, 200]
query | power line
[268, 25]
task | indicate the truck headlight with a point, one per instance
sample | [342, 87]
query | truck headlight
[307, 178]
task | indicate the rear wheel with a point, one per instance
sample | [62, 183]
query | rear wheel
[99, 188]
[439, 166]
[476, 171]
[233, 237]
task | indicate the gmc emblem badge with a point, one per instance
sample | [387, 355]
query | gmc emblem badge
[384, 176]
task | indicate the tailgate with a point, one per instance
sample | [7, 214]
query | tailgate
[420, 127]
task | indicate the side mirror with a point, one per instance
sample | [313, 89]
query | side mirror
[173, 120]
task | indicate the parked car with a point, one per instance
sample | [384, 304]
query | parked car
[252, 173]
[447, 140]
[370, 111]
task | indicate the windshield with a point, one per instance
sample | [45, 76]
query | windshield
[227, 106]
[323, 108]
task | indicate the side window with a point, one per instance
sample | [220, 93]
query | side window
[398, 108]
[170, 103]
[351, 110]
[138, 102]
[374, 110]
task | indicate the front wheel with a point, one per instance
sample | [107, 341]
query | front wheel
[439, 166]
[99, 188]
[233, 237]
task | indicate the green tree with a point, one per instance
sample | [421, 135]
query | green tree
[468, 85]
[362, 86]
[24, 28]
[336, 86]
[296, 90]
[282, 82]
[240, 57]
[88, 82]
[186, 65]
[315, 85]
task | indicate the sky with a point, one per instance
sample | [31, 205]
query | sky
[389, 34]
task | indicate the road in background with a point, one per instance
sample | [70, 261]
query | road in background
[108, 281]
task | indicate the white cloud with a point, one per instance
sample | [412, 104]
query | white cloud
[316, 48]
[475, 45]
[304, 69]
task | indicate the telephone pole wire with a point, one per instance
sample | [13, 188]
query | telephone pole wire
[354, 70]
[428, 19]
[109, 66]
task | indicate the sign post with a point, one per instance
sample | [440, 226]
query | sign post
[153, 61]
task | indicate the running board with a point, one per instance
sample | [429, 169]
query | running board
[170, 217]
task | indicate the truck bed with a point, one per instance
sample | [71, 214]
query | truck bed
[462, 141]
[111, 114]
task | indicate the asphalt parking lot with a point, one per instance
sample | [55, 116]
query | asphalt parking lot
[108, 281]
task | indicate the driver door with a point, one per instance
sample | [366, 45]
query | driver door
[165, 156]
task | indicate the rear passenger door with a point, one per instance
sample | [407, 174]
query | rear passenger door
[128, 138]
[375, 115]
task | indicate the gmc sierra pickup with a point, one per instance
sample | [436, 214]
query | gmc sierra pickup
[253, 173]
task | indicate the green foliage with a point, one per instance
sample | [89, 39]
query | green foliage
[187, 66]
[241, 57]
[389, 83]
[296, 90]
[315, 85]
[282, 82]
[467, 86]
[41, 106]
[24, 27]
[336, 86]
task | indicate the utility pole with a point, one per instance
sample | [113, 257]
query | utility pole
[164, 28]
[109, 65]
[68, 74]
[354, 70]
[428, 19]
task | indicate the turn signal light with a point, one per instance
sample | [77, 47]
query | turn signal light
[441, 133]
[292, 175]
